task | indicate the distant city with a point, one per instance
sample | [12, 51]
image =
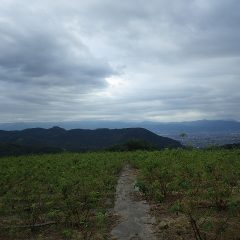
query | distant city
[202, 140]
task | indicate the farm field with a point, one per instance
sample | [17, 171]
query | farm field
[194, 194]
[62, 196]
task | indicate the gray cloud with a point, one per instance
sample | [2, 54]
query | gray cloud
[45, 53]
[127, 60]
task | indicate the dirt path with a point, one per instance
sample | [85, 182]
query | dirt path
[135, 221]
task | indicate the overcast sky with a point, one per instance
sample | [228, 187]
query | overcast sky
[156, 60]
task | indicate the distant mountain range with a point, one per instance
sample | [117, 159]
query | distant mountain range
[77, 139]
[193, 127]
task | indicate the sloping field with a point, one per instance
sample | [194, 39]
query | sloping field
[193, 194]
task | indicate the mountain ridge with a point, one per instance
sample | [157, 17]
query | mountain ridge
[82, 139]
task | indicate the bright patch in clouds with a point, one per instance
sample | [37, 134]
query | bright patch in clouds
[115, 82]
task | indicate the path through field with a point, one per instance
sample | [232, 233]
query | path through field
[135, 221]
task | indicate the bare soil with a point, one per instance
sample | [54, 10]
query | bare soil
[134, 219]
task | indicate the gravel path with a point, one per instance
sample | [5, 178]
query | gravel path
[135, 221]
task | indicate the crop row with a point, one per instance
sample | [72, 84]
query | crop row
[62, 195]
[204, 186]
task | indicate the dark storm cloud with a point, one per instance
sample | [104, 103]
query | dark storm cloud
[160, 60]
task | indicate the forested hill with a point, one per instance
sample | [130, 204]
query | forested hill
[81, 139]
